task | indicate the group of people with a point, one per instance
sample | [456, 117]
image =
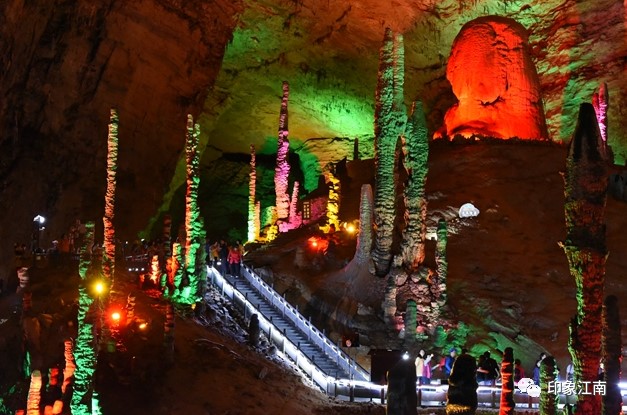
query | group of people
[488, 369]
[226, 258]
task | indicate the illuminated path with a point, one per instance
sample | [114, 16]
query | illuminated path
[324, 362]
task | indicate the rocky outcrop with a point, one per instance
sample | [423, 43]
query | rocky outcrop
[253, 220]
[108, 259]
[282, 170]
[64, 65]
[495, 82]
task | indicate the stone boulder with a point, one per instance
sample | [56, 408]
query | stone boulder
[495, 81]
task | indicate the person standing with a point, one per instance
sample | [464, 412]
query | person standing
[224, 256]
[448, 362]
[234, 260]
[423, 367]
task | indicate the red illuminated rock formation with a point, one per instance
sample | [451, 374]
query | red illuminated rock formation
[495, 81]
[507, 404]
[586, 184]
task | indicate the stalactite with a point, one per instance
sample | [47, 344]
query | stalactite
[507, 404]
[586, 183]
[548, 375]
[253, 232]
[282, 170]
[34, 394]
[416, 153]
[364, 239]
[612, 356]
[85, 352]
[333, 202]
[390, 116]
[108, 259]
[600, 102]
[189, 294]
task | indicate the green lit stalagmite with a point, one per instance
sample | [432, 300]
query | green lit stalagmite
[548, 376]
[84, 350]
[390, 117]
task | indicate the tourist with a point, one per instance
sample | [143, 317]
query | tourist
[224, 255]
[423, 367]
[536, 372]
[448, 362]
[234, 259]
[570, 372]
[489, 369]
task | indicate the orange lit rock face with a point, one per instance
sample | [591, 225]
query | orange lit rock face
[495, 82]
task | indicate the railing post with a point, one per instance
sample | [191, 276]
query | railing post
[419, 392]
[382, 395]
[351, 393]
[493, 393]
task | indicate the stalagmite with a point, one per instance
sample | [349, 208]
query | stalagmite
[390, 117]
[416, 153]
[461, 397]
[401, 394]
[130, 308]
[84, 353]
[333, 202]
[438, 285]
[548, 376]
[600, 102]
[389, 300]
[155, 270]
[167, 235]
[253, 232]
[70, 366]
[364, 239]
[612, 356]
[410, 323]
[586, 183]
[108, 255]
[295, 219]
[177, 267]
[507, 404]
[257, 219]
[189, 294]
[282, 170]
[34, 394]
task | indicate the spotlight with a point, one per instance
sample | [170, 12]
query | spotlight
[115, 316]
[350, 228]
[142, 326]
[405, 356]
[39, 219]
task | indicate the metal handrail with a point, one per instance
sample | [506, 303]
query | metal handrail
[316, 336]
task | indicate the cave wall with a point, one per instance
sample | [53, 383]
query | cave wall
[63, 64]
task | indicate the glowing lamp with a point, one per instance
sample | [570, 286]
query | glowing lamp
[405, 356]
[314, 243]
[350, 228]
[143, 326]
[39, 219]
[99, 287]
[115, 316]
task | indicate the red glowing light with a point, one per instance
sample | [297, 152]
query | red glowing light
[115, 316]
